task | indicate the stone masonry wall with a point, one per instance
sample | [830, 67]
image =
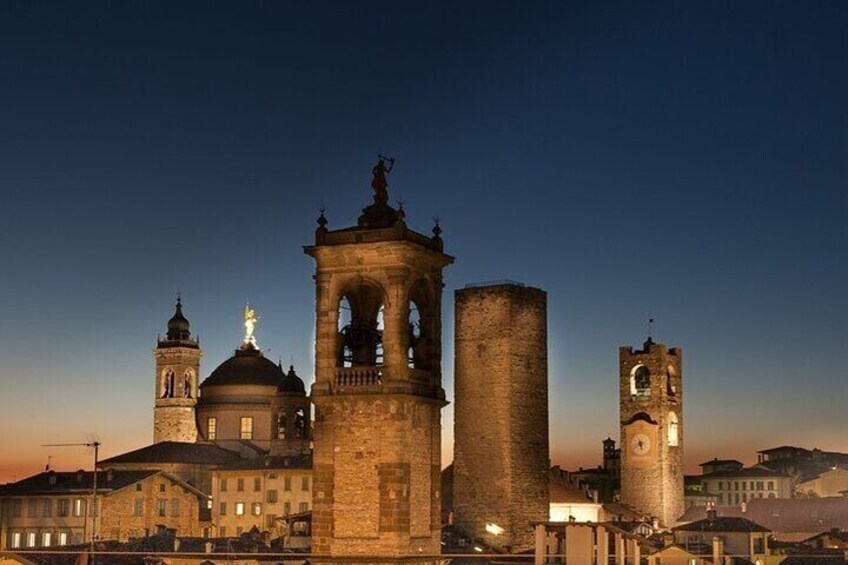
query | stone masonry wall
[501, 452]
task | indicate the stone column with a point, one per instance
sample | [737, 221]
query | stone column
[602, 546]
[541, 545]
[634, 551]
[619, 549]
[579, 546]
[396, 328]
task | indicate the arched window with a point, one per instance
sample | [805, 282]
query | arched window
[188, 384]
[640, 381]
[670, 377]
[300, 424]
[168, 384]
[282, 423]
[673, 430]
[360, 326]
[422, 326]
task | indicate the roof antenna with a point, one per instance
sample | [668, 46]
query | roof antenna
[650, 328]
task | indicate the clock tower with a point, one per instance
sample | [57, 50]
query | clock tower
[651, 417]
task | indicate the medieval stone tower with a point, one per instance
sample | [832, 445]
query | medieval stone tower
[378, 391]
[651, 415]
[501, 453]
[177, 369]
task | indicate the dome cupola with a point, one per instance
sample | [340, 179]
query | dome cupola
[291, 383]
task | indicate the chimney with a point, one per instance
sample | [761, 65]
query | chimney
[718, 550]
[744, 507]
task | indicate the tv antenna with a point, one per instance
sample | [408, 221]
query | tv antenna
[93, 506]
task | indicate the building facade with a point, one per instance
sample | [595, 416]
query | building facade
[501, 451]
[652, 439]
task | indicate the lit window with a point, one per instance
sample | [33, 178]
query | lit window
[239, 508]
[211, 428]
[257, 508]
[673, 431]
[47, 539]
[30, 539]
[16, 539]
[63, 538]
[246, 428]
[79, 507]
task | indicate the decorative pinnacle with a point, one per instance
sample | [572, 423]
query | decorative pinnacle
[437, 230]
[322, 220]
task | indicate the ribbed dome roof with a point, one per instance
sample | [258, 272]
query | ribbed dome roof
[247, 367]
[178, 325]
[292, 383]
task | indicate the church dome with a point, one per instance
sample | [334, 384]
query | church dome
[247, 367]
[178, 326]
[292, 383]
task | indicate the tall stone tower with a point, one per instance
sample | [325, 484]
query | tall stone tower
[501, 453]
[378, 391]
[651, 415]
[177, 369]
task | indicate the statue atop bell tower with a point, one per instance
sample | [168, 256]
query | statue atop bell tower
[378, 389]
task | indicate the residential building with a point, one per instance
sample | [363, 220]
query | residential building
[741, 485]
[738, 537]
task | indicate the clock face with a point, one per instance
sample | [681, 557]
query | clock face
[640, 444]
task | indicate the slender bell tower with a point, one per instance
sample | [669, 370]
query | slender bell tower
[177, 369]
[378, 391]
[651, 410]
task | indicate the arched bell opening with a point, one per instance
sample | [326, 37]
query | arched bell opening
[360, 327]
[168, 384]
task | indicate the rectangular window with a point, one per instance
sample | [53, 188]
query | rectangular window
[771, 485]
[222, 531]
[287, 508]
[175, 507]
[32, 508]
[759, 485]
[737, 498]
[16, 539]
[47, 539]
[257, 508]
[211, 429]
[138, 487]
[222, 509]
[79, 507]
[269, 520]
[240, 485]
[30, 539]
[47, 508]
[239, 508]
[721, 485]
[63, 538]
[161, 507]
[138, 507]
[304, 483]
[303, 507]
[736, 485]
[17, 507]
[759, 546]
[63, 507]
[246, 428]
[162, 487]
[257, 484]
[222, 484]
[287, 484]
[271, 496]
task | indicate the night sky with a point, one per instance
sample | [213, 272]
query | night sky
[677, 160]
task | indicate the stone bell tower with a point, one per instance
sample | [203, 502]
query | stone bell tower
[177, 369]
[378, 390]
[651, 411]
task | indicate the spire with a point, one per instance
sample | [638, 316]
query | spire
[178, 325]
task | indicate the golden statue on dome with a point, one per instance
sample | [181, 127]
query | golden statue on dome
[250, 321]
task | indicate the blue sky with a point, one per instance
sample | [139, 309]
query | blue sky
[680, 161]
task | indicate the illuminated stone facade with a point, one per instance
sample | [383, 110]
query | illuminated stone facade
[501, 452]
[378, 392]
[651, 416]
